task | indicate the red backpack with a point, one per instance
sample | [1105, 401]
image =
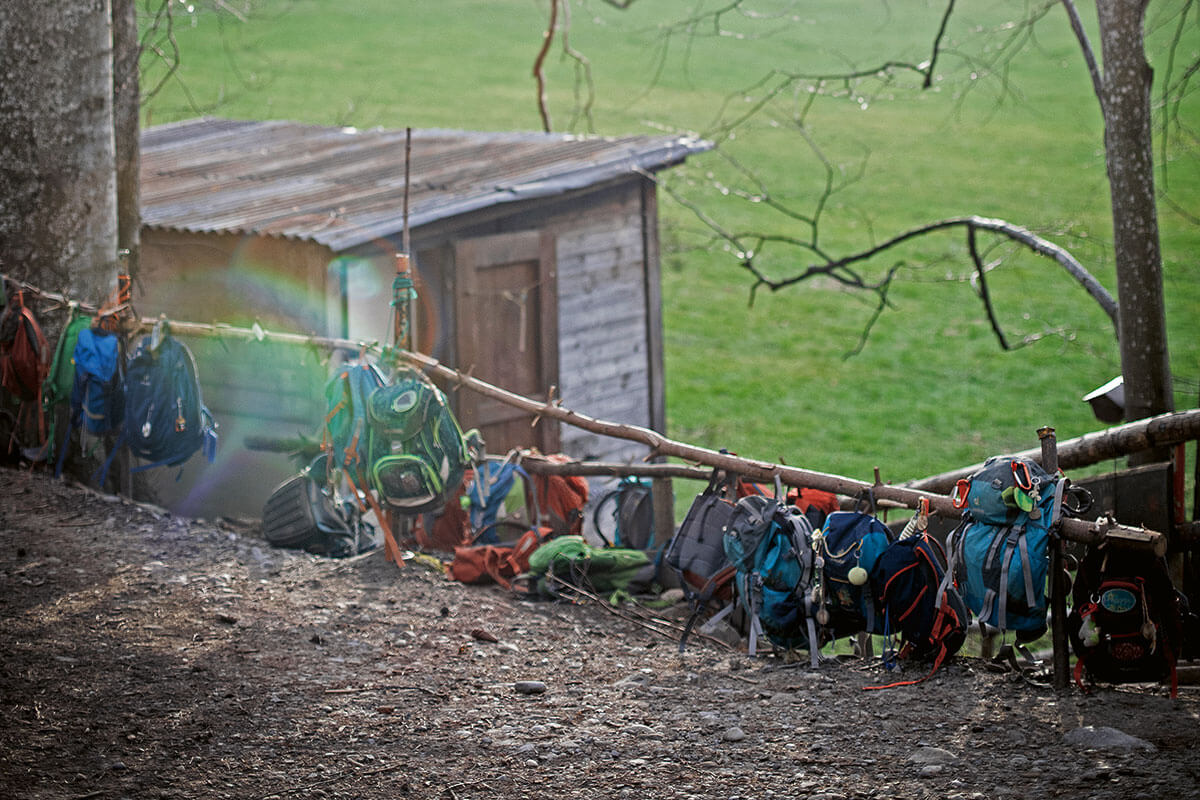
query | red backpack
[24, 359]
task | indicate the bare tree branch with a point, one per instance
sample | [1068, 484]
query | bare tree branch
[984, 295]
[1089, 55]
[881, 293]
[538, 64]
[160, 32]
[771, 90]
[748, 245]
[585, 86]
[1175, 90]
[937, 44]
[1016, 233]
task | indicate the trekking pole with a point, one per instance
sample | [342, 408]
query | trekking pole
[403, 288]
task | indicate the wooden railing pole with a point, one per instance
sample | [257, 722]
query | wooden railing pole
[1058, 583]
[1072, 529]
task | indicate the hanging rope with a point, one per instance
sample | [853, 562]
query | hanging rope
[404, 294]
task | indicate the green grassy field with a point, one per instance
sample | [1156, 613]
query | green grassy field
[930, 389]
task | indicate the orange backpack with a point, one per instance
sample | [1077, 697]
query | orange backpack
[501, 563]
[559, 498]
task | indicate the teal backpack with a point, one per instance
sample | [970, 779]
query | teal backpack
[770, 546]
[999, 553]
[346, 433]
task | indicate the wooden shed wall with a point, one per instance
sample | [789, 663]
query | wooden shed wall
[609, 335]
[610, 346]
[252, 388]
[609, 315]
[206, 277]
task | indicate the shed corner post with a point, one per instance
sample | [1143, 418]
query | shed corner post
[662, 494]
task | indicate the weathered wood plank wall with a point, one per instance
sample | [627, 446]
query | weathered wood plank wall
[604, 365]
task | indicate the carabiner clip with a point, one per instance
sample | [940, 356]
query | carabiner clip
[1019, 467]
[923, 507]
[922, 516]
[958, 495]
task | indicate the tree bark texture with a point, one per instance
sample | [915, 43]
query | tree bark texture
[58, 221]
[1130, 158]
[126, 105]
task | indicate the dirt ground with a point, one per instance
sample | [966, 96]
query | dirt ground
[144, 655]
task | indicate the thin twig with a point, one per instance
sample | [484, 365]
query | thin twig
[384, 688]
[984, 294]
[636, 620]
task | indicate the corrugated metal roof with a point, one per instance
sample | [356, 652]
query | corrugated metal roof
[342, 186]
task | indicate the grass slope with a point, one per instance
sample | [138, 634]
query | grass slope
[930, 389]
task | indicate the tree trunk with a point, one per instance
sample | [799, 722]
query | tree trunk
[1129, 152]
[126, 104]
[58, 221]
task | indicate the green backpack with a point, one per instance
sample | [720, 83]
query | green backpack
[398, 438]
[417, 453]
[60, 381]
[603, 570]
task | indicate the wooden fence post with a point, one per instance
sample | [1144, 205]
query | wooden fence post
[1058, 586]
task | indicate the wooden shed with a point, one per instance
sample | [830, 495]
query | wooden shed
[537, 261]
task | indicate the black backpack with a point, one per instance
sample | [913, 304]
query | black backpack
[1125, 623]
[301, 514]
[624, 515]
[166, 421]
[696, 553]
[919, 602]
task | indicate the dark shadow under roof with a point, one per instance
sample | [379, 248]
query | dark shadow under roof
[342, 187]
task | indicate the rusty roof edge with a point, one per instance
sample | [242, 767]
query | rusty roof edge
[633, 154]
[667, 155]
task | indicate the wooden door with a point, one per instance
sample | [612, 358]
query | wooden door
[507, 334]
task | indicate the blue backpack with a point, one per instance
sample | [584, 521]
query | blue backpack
[97, 399]
[999, 553]
[847, 549]
[770, 547]
[166, 421]
[97, 391]
[487, 490]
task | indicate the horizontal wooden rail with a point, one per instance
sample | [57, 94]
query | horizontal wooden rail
[1092, 448]
[1104, 529]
